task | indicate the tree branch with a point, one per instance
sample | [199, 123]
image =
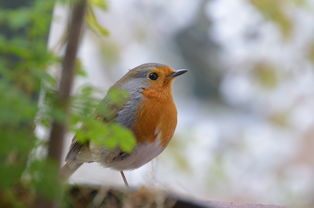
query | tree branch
[58, 128]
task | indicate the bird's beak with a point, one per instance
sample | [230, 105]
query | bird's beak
[177, 73]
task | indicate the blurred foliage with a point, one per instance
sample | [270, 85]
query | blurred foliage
[93, 23]
[266, 75]
[216, 172]
[87, 119]
[24, 31]
[281, 119]
[43, 178]
[110, 51]
[175, 149]
[275, 12]
[311, 53]
[23, 72]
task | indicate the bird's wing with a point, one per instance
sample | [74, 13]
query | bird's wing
[115, 101]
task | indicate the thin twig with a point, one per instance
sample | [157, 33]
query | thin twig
[124, 179]
[58, 128]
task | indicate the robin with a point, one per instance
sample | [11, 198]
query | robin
[149, 112]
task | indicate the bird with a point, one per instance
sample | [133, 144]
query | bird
[149, 112]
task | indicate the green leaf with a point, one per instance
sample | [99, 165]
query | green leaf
[107, 135]
[115, 99]
[92, 130]
[19, 18]
[84, 104]
[15, 101]
[93, 23]
[45, 179]
[124, 137]
[109, 142]
[117, 96]
[102, 4]
[9, 174]
[79, 68]
[12, 140]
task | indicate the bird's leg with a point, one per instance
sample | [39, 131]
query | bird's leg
[124, 179]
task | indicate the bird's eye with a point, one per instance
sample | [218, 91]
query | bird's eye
[153, 76]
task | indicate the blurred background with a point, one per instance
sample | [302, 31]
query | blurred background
[246, 123]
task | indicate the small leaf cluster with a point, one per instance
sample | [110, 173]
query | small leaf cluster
[23, 69]
[93, 120]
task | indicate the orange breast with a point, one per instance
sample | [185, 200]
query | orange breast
[157, 114]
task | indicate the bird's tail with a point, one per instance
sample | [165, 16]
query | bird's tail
[69, 168]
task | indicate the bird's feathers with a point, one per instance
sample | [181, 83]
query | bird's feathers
[148, 110]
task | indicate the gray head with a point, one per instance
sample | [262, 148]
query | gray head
[150, 75]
